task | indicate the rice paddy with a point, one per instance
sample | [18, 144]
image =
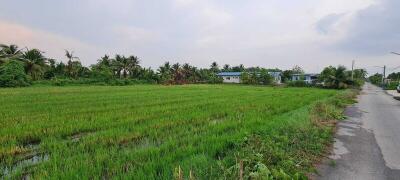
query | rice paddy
[159, 132]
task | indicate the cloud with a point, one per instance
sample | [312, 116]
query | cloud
[374, 30]
[271, 33]
[137, 35]
[53, 44]
[327, 24]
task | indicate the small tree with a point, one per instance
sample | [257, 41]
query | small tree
[12, 74]
[35, 63]
[297, 70]
[245, 78]
[249, 78]
[376, 79]
[214, 67]
[265, 78]
[253, 78]
[287, 76]
[335, 77]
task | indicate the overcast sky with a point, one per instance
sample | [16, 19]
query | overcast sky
[268, 33]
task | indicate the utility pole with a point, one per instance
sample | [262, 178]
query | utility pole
[384, 73]
[352, 70]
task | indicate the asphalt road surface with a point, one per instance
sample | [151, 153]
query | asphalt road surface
[367, 143]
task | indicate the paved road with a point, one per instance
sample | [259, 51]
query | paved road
[367, 144]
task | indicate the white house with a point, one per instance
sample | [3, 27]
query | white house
[308, 78]
[234, 77]
[230, 77]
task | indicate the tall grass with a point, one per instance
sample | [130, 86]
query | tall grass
[155, 132]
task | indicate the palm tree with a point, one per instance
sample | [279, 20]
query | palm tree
[34, 63]
[165, 72]
[10, 51]
[126, 65]
[214, 67]
[72, 66]
[176, 67]
[334, 77]
[177, 73]
[123, 65]
[134, 67]
[104, 61]
[70, 55]
[226, 68]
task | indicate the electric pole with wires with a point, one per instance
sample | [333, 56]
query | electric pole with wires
[352, 70]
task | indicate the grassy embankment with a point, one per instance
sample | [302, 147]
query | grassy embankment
[161, 132]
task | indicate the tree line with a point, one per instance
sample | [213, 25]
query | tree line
[22, 67]
[389, 82]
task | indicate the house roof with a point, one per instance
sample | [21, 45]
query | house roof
[274, 73]
[229, 74]
[239, 73]
[309, 74]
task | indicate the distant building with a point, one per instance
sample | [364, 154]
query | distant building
[234, 77]
[230, 77]
[308, 78]
[277, 77]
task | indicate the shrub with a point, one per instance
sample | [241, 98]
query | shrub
[58, 82]
[391, 86]
[298, 84]
[12, 74]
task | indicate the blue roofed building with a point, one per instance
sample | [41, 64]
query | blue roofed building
[230, 77]
[234, 77]
[308, 78]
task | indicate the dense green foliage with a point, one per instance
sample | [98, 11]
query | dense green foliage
[391, 81]
[391, 85]
[394, 81]
[12, 74]
[298, 84]
[126, 70]
[340, 78]
[376, 79]
[107, 70]
[150, 131]
[394, 76]
[255, 78]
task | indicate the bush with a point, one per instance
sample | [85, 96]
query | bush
[58, 82]
[376, 79]
[298, 84]
[391, 86]
[12, 74]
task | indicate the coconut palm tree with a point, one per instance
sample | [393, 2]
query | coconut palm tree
[73, 64]
[165, 72]
[122, 65]
[35, 63]
[226, 68]
[70, 55]
[116, 65]
[10, 51]
[189, 73]
[104, 61]
[178, 75]
[134, 67]
[334, 77]
[214, 67]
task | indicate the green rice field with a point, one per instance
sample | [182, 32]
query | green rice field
[160, 132]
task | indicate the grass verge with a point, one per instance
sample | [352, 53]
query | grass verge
[289, 151]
